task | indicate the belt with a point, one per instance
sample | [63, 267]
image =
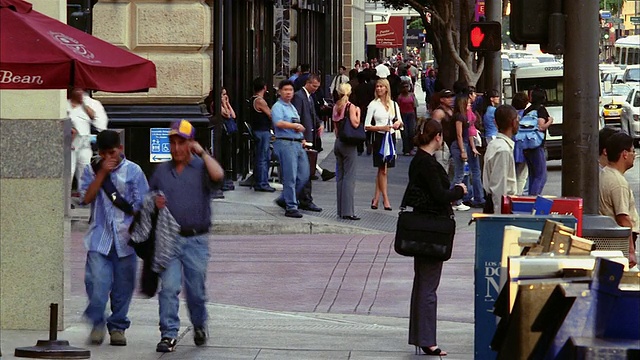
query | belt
[192, 232]
[288, 139]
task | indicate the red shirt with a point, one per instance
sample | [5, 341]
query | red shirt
[406, 103]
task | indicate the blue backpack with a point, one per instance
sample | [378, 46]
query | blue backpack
[529, 136]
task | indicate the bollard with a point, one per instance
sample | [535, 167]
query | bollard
[53, 348]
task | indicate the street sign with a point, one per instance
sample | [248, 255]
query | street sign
[614, 21]
[635, 19]
[605, 14]
[159, 145]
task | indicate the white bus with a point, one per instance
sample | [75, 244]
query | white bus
[627, 51]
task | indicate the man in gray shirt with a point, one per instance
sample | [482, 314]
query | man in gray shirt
[187, 183]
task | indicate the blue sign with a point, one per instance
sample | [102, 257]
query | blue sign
[605, 14]
[159, 150]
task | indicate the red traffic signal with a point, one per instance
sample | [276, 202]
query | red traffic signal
[485, 36]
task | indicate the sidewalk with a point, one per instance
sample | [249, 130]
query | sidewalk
[291, 297]
[312, 288]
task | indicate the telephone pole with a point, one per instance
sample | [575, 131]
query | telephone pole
[580, 113]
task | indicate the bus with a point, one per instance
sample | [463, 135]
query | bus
[627, 51]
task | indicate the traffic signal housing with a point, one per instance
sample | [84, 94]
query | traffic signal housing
[485, 36]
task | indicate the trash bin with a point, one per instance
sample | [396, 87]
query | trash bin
[489, 239]
[145, 131]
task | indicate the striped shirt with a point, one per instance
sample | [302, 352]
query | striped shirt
[110, 225]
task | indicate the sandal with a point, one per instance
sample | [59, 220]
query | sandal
[435, 352]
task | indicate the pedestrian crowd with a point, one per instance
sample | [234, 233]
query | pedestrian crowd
[470, 151]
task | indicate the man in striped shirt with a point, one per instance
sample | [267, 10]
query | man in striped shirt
[110, 270]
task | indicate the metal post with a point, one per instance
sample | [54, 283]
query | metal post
[580, 114]
[404, 35]
[493, 64]
[218, 21]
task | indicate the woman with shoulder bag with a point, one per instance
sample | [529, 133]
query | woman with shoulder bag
[432, 182]
[346, 153]
[536, 160]
[383, 116]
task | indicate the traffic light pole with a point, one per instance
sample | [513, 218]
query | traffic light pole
[580, 112]
[492, 62]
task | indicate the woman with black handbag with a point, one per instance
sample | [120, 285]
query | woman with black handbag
[429, 193]
[346, 116]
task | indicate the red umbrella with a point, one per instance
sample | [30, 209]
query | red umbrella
[39, 52]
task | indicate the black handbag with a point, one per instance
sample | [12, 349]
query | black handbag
[422, 234]
[347, 133]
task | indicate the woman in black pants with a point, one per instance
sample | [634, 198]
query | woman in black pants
[433, 195]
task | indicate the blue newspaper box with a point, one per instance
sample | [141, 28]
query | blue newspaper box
[489, 238]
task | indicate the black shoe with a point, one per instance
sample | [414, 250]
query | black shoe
[352, 217]
[478, 205]
[280, 203]
[294, 213]
[468, 203]
[217, 194]
[265, 189]
[311, 207]
[200, 336]
[313, 177]
[166, 345]
[327, 175]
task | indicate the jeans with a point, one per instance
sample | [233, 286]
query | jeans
[475, 190]
[458, 165]
[409, 132]
[191, 260]
[260, 173]
[109, 277]
[537, 169]
[294, 165]
[476, 177]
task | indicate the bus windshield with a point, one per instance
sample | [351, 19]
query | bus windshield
[553, 86]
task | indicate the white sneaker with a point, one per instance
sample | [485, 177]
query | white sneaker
[461, 207]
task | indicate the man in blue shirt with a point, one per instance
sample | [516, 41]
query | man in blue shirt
[187, 185]
[288, 147]
[110, 270]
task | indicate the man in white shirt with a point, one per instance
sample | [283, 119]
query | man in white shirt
[382, 71]
[616, 197]
[499, 173]
[84, 113]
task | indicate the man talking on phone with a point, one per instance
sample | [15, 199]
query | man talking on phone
[187, 182]
[114, 187]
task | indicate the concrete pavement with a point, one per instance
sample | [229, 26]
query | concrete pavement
[279, 288]
[323, 288]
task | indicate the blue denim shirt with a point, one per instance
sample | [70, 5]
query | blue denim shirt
[285, 111]
[109, 223]
[490, 127]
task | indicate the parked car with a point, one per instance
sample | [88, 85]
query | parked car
[630, 119]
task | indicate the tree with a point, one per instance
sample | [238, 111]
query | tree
[611, 5]
[449, 19]
[416, 24]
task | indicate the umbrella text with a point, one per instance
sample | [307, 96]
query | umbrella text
[7, 77]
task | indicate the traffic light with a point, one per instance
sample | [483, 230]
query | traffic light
[538, 22]
[485, 36]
